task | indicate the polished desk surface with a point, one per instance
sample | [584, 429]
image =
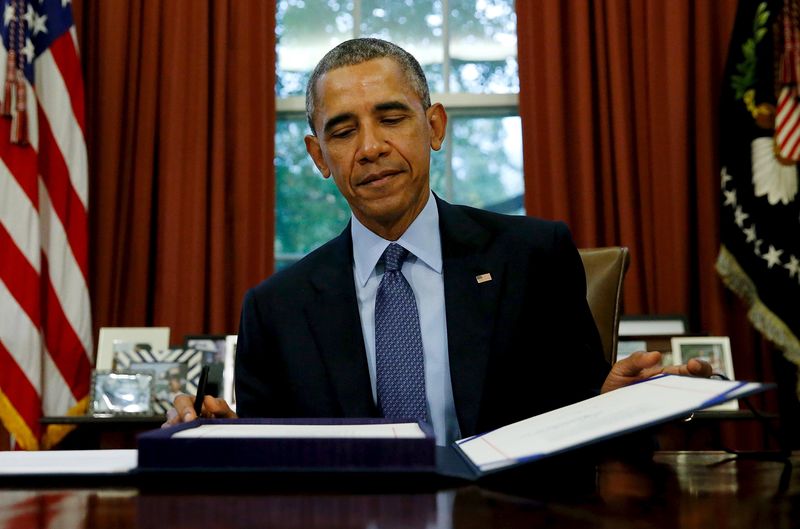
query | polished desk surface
[675, 489]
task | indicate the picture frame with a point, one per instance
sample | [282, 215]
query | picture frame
[170, 379]
[228, 390]
[113, 393]
[716, 350]
[213, 346]
[157, 338]
[653, 325]
[191, 358]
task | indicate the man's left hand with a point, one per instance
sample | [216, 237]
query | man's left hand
[641, 365]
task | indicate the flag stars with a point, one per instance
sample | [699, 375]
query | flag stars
[39, 24]
[29, 51]
[741, 216]
[730, 197]
[750, 233]
[725, 177]
[757, 246]
[29, 15]
[793, 266]
[8, 14]
[772, 257]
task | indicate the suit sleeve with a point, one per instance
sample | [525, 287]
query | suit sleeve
[257, 390]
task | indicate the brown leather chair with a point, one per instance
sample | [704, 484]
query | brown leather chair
[605, 271]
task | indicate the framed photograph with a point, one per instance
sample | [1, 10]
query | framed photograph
[121, 394]
[169, 381]
[653, 325]
[212, 345]
[126, 339]
[191, 358]
[228, 391]
[716, 350]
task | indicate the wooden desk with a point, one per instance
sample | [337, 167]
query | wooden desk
[676, 489]
[103, 432]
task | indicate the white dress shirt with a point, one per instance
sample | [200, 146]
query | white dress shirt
[423, 271]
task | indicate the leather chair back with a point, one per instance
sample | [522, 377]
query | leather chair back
[605, 270]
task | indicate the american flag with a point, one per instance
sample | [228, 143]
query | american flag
[45, 318]
[787, 119]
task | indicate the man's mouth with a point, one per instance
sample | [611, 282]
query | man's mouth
[378, 177]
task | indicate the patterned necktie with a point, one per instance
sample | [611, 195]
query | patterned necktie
[398, 343]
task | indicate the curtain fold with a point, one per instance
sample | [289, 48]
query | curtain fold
[619, 106]
[181, 120]
[619, 113]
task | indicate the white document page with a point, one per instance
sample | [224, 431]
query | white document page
[609, 414]
[305, 431]
[68, 462]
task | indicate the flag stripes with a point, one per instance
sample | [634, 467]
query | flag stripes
[46, 331]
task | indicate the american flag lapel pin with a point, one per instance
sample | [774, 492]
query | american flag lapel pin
[483, 278]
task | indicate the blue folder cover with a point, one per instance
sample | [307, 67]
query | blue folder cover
[159, 451]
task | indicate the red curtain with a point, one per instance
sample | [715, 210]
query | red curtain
[618, 100]
[181, 121]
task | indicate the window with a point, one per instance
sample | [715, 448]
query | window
[468, 49]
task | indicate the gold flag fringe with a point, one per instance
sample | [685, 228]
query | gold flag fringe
[762, 318]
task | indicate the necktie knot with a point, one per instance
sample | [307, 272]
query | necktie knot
[394, 256]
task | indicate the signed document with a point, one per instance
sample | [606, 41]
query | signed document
[631, 408]
[305, 431]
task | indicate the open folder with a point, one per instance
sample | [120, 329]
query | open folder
[635, 407]
[382, 446]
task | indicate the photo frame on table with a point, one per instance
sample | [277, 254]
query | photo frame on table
[159, 363]
[716, 350]
[170, 379]
[120, 393]
[127, 338]
[212, 345]
[228, 390]
[653, 325]
[213, 348]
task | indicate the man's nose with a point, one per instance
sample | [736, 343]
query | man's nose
[373, 144]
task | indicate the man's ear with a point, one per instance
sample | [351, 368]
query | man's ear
[315, 151]
[437, 120]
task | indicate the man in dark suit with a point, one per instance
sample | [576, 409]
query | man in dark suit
[506, 332]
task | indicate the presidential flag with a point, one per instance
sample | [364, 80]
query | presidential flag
[45, 319]
[759, 257]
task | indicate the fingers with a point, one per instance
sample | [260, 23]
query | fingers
[637, 362]
[183, 410]
[694, 367]
[699, 368]
[217, 408]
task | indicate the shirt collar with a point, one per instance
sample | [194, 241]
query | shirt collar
[422, 239]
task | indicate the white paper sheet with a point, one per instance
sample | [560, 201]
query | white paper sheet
[68, 462]
[609, 414]
[305, 431]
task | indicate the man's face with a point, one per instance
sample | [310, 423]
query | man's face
[375, 138]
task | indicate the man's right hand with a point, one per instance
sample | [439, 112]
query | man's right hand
[183, 410]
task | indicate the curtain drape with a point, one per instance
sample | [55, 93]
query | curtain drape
[619, 107]
[181, 119]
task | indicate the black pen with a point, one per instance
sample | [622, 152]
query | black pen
[201, 391]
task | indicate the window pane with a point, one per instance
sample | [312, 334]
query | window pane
[483, 46]
[486, 164]
[414, 25]
[308, 208]
[306, 30]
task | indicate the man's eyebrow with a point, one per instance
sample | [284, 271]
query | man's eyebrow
[391, 105]
[335, 120]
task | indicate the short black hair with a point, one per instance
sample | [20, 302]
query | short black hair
[356, 51]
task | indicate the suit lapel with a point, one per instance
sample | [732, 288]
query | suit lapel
[335, 322]
[471, 307]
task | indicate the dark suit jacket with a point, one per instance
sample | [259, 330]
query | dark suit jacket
[519, 345]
